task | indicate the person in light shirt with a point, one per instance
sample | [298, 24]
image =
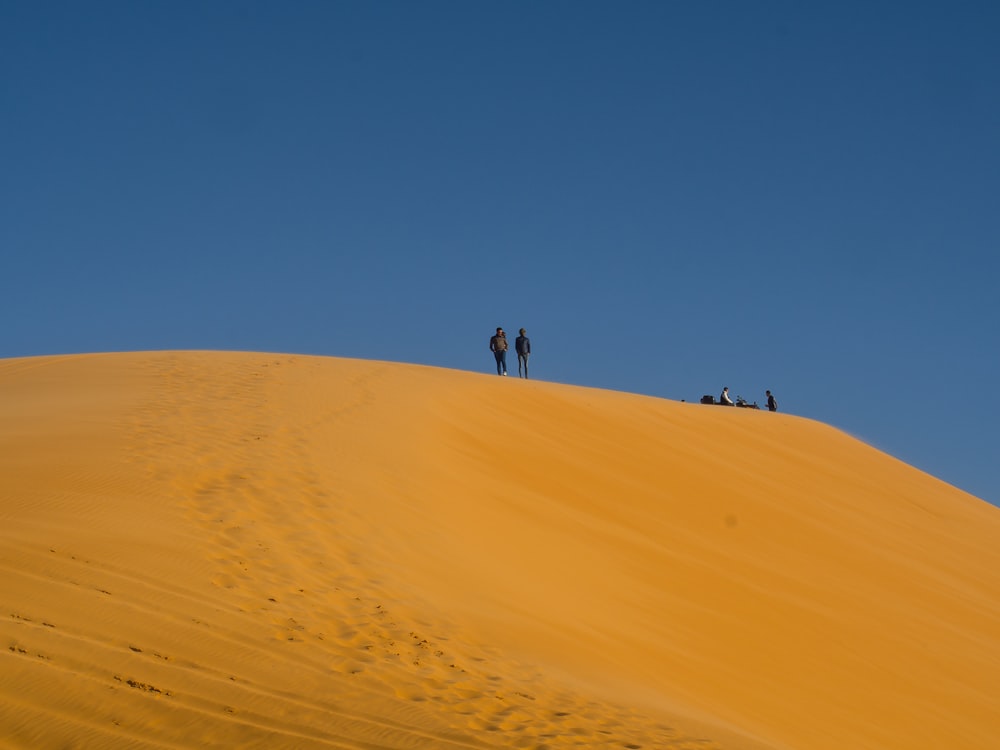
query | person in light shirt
[498, 345]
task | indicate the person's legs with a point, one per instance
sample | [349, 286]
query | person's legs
[522, 358]
[500, 363]
[503, 361]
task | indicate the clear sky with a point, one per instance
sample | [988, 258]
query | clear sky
[670, 197]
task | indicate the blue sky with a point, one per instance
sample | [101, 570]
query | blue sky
[670, 197]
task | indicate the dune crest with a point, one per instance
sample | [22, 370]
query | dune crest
[205, 549]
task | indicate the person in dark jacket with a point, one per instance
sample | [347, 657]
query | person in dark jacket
[772, 405]
[522, 345]
[498, 345]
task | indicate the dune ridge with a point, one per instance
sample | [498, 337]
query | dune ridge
[220, 549]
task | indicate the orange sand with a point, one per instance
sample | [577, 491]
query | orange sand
[222, 550]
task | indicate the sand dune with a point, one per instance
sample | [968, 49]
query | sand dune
[222, 550]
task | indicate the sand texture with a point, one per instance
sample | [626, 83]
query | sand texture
[237, 550]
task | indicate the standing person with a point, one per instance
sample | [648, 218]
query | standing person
[772, 405]
[522, 345]
[724, 398]
[498, 345]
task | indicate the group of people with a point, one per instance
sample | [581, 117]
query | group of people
[522, 345]
[772, 403]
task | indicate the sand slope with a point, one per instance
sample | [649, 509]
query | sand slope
[223, 550]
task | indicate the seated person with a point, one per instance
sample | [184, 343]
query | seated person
[724, 398]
